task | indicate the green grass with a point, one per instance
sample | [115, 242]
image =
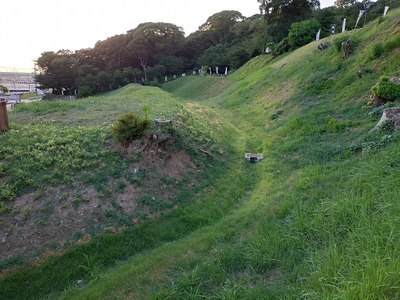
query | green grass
[316, 219]
[197, 88]
[67, 144]
[28, 95]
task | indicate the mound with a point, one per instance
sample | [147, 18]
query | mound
[83, 180]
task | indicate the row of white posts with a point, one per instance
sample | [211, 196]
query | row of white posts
[203, 72]
[361, 13]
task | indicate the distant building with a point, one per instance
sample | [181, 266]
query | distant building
[18, 80]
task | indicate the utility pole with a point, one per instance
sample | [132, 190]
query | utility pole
[367, 5]
[34, 77]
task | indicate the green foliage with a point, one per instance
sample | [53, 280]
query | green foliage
[386, 89]
[6, 192]
[6, 195]
[281, 47]
[85, 91]
[302, 33]
[344, 3]
[91, 267]
[338, 42]
[326, 17]
[130, 126]
[377, 50]
[58, 71]
[392, 43]
[282, 13]
[220, 25]
[3, 89]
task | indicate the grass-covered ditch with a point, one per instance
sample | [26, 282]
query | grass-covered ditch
[316, 219]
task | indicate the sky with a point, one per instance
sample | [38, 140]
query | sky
[29, 28]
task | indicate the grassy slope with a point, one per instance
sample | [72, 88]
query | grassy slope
[321, 221]
[316, 219]
[37, 143]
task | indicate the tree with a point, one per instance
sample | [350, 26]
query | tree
[156, 72]
[3, 89]
[150, 42]
[302, 33]
[130, 74]
[220, 25]
[281, 8]
[214, 56]
[344, 3]
[173, 64]
[326, 17]
[111, 53]
[280, 14]
[57, 71]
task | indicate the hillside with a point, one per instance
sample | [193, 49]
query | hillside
[316, 219]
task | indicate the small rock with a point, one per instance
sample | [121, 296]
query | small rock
[390, 114]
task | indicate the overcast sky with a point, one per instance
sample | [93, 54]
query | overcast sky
[29, 28]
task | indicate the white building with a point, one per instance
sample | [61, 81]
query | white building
[18, 80]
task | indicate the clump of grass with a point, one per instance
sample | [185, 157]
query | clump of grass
[6, 192]
[378, 49]
[152, 203]
[392, 43]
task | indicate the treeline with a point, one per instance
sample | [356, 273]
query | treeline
[152, 51]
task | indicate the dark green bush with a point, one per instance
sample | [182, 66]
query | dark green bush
[386, 89]
[130, 126]
[377, 50]
[85, 91]
[302, 33]
[281, 47]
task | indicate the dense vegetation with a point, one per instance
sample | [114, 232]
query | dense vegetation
[153, 51]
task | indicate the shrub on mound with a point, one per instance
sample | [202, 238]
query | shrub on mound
[130, 126]
[386, 89]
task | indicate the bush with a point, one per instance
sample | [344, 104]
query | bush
[377, 50]
[386, 89]
[85, 91]
[281, 47]
[130, 126]
[49, 96]
[6, 193]
[302, 33]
